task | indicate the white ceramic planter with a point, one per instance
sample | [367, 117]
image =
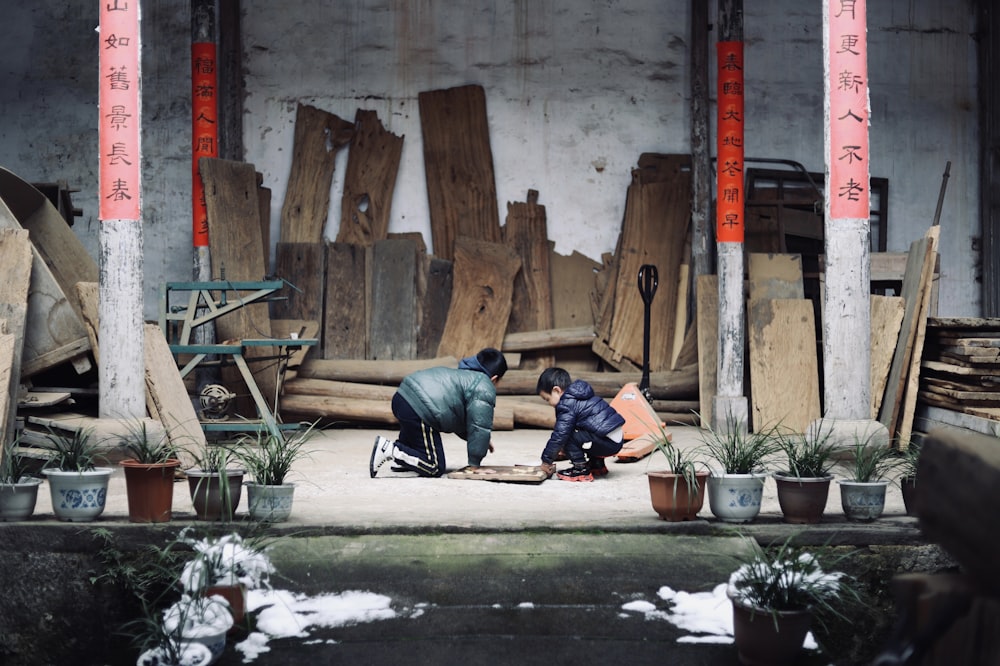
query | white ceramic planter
[735, 498]
[272, 504]
[17, 500]
[862, 501]
[78, 497]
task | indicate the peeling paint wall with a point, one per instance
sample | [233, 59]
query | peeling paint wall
[576, 90]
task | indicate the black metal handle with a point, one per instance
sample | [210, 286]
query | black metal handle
[649, 279]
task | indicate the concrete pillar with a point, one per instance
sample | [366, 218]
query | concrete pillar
[847, 228]
[121, 376]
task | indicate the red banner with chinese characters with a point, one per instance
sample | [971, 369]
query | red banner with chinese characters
[119, 181]
[204, 130]
[848, 190]
[729, 207]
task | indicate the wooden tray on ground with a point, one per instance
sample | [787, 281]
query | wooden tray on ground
[508, 473]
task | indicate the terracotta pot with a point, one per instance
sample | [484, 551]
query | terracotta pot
[802, 499]
[908, 484]
[236, 595]
[212, 499]
[671, 498]
[764, 638]
[735, 498]
[150, 490]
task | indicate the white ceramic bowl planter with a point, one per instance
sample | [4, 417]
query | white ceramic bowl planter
[17, 500]
[78, 497]
[735, 498]
[862, 501]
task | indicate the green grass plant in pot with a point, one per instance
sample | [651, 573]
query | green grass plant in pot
[862, 493]
[677, 493]
[268, 459]
[776, 594]
[77, 484]
[215, 482]
[18, 488]
[150, 463]
[804, 482]
[736, 486]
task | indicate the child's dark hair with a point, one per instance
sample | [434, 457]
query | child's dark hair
[552, 377]
[492, 361]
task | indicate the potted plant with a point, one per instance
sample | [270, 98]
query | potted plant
[268, 459]
[226, 566]
[736, 488]
[804, 485]
[216, 485]
[775, 595]
[204, 620]
[78, 486]
[908, 477]
[18, 489]
[862, 495]
[150, 466]
[677, 493]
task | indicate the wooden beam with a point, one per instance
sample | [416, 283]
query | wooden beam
[369, 181]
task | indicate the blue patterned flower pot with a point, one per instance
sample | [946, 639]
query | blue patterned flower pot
[271, 504]
[735, 498]
[862, 501]
[78, 497]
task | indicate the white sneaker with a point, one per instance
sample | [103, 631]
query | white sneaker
[381, 454]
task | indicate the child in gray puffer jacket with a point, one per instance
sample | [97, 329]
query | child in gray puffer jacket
[587, 428]
[436, 400]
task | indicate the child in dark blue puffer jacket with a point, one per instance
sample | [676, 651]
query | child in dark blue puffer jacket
[587, 428]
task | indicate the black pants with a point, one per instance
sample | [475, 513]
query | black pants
[600, 447]
[419, 446]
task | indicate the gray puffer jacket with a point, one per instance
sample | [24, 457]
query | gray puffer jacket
[459, 401]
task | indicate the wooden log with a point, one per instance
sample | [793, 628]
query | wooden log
[393, 328]
[366, 411]
[369, 372]
[553, 338]
[664, 385]
[236, 249]
[458, 161]
[337, 389]
[372, 165]
[15, 257]
[957, 474]
[481, 297]
[345, 323]
[319, 135]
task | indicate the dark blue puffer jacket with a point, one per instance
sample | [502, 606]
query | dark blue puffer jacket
[580, 409]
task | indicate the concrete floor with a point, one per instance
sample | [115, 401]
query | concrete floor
[334, 490]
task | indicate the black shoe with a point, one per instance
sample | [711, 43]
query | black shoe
[598, 467]
[576, 474]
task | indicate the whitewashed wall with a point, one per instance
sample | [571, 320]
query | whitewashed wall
[576, 90]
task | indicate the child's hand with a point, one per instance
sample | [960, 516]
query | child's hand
[548, 468]
[491, 447]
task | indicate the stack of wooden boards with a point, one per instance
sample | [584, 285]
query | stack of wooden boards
[380, 297]
[960, 376]
[783, 340]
